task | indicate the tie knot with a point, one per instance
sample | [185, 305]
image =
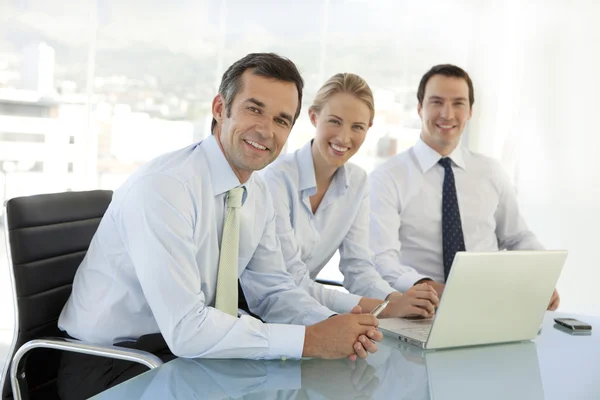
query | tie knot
[234, 197]
[445, 162]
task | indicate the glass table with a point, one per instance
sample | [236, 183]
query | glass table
[556, 365]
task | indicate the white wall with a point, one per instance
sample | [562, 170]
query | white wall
[537, 86]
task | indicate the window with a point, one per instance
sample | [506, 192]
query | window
[89, 91]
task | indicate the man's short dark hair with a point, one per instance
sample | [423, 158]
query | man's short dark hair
[445, 70]
[268, 65]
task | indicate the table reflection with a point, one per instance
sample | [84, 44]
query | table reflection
[505, 371]
[218, 379]
[509, 371]
[396, 371]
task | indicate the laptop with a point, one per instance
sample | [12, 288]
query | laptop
[491, 297]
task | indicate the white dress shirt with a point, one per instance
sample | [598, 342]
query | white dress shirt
[152, 265]
[308, 241]
[406, 212]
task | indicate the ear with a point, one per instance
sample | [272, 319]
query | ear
[218, 108]
[312, 114]
[420, 110]
[470, 113]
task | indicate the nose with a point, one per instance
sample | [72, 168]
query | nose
[447, 111]
[265, 127]
[345, 135]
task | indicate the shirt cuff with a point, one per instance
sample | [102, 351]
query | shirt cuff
[286, 341]
[408, 279]
[381, 290]
[345, 302]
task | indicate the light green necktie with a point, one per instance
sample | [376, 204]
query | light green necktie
[227, 279]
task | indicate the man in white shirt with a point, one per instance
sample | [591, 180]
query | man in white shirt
[152, 266]
[438, 198]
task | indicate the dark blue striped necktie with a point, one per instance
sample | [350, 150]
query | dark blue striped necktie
[452, 233]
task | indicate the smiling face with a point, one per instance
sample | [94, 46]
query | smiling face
[444, 112]
[258, 124]
[342, 125]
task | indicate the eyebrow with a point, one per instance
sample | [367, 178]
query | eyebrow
[256, 102]
[442, 98]
[260, 104]
[342, 119]
[286, 116]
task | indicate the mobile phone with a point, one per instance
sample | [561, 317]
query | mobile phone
[573, 324]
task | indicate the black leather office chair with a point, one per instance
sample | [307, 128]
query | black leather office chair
[47, 237]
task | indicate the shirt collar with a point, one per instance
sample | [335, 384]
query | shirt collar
[221, 175]
[306, 168]
[428, 157]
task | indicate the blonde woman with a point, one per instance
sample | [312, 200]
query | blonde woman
[321, 202]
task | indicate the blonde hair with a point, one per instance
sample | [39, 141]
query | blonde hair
[345, 83]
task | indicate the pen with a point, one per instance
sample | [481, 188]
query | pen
[377, 310]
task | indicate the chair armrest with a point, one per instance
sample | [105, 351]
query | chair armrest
[142, 357]
[329, 282]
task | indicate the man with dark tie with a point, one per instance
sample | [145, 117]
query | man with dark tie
[438, 198]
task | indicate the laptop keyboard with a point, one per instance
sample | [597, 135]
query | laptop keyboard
[424, 321]
[419, 332]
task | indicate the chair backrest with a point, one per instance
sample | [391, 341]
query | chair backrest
[47, 238]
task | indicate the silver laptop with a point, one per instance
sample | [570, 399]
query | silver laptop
[490, 297]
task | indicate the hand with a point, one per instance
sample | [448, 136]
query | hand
[554, 301]
[439, 287]
[419, 300]
[354, 380]
[341, 336]
[363, 345]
